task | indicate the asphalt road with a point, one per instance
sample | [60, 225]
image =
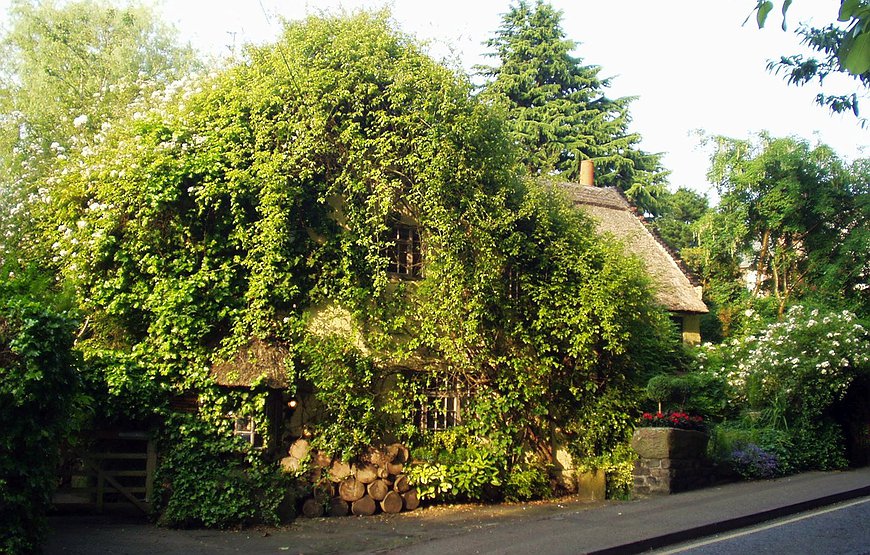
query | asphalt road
[840, 529]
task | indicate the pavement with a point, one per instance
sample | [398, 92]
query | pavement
[563, 526]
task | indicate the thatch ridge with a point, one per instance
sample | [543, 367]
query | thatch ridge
[675, 285]
[257, 362]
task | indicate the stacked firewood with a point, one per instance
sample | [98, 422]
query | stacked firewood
[373, 482]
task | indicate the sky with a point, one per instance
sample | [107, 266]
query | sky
[693, 66]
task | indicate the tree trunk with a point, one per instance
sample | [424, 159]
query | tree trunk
[366, 473]
[299, 449]
[378, 490]
[412, 501]
[339, 471]
[338, 507]
[401, 484]
[395, 468]
[312, 508]
[762, 259]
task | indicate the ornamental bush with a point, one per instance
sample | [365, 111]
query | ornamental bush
[790, 375]
[39, 393]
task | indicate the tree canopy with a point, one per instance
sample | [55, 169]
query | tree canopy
[66, 71]
[844, 50]
[797, 214]
[558, 109]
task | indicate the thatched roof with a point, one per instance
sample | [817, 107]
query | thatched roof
[676, 288]
[257, 362]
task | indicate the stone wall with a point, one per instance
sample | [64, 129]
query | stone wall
[671, 461]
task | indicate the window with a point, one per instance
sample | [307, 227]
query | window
[243, 426]
[405, 254]
[442, 410]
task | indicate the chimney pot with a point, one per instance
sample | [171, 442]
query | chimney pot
[587, 173]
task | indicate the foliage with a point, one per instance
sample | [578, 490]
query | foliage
[214, 480]
[790, 375]
[679, 420]
[728, 437]
[527, 481]
[701, 393]
[676, 216]
[67, 70]
[557, 108]
[618, 467]
[467, 474]
[796, 213]
[39, 400]
[248, 203]
[844, 50]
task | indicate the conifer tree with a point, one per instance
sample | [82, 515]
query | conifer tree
[558, 108]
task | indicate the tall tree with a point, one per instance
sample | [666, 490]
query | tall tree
[678, 213]
[799, 217]
[558, 109]
[66, 71]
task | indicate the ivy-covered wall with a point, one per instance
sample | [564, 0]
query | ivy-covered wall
[239, 204]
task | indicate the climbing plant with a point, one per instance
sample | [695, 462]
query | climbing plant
[248, 202]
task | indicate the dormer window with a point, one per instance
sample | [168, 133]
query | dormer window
[405, 254]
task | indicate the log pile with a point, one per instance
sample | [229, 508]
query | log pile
[374, 482]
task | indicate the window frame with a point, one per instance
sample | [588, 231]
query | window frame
[404, 251]
[441, 410]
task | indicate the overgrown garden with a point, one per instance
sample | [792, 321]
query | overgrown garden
[188, 212]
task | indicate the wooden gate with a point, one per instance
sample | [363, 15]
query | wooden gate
[116, 472]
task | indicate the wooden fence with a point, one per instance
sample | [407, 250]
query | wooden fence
[117, 472]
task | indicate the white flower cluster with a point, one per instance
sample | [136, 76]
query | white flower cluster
[808, 351]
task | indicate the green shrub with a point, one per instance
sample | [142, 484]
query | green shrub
[788, 378]
[700, 393]
[466, 474]
[212, 481]
[527, 481]
[39, 388]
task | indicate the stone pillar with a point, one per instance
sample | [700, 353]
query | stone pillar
[671, 460]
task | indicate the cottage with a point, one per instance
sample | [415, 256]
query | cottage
[675, 287]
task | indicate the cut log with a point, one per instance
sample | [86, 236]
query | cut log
[351, 489]
[401, 484]
[321, 459]
[364, 506]
[392, 503]
[377, 457]
[395, 468]
[312, 508]
[339, 470]
[404, 455]
[339, 507]
[392, 451]
[412, 501]
[299, 449]
[290, 464]
[322, 492]
[366, 473]
[378, 489]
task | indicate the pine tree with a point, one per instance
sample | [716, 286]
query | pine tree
[558, 109]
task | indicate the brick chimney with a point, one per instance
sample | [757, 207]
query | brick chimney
[587, 173]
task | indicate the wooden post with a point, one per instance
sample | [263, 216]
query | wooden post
[150, 469]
